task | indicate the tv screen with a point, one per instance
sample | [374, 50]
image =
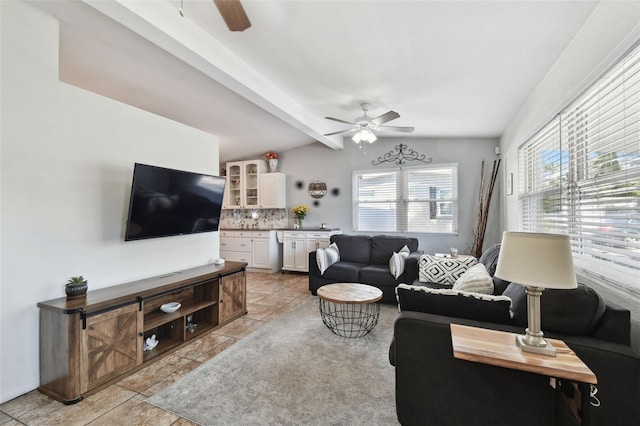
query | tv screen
[168, 202]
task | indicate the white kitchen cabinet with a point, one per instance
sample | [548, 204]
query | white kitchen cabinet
[298, 244]
[259, 249]
[294, 251]
[236, 246]
[243, 184]
[272, 193]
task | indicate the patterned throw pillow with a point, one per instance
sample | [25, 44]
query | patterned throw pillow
[475, 280]
[397, 261]
[443, 270]
[327, 257]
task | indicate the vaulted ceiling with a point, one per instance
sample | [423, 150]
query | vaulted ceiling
[450, 68]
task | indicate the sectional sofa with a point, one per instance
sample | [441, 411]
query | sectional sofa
[434, 388]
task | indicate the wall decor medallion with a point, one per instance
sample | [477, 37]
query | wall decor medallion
[401, 155]
[317, 188]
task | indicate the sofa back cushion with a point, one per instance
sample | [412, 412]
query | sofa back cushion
[576, 311]
[454, 303]
[490, 259]
[383, 246]
[354, 248]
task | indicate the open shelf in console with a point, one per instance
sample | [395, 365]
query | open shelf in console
[169, 335]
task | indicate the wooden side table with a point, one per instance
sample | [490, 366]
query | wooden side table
[500, 349]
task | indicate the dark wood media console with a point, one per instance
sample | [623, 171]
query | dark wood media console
[88, 343]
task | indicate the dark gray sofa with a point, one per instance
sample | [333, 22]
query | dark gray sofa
[434, 388]
[365, 259]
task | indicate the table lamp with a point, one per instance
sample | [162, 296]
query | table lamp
[536, 261]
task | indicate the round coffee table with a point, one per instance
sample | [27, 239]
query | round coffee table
[349, 309]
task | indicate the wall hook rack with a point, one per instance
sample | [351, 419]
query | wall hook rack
[401, 155]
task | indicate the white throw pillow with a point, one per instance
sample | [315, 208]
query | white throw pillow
[475, 280]
[398, 261]
[327, 257]
[443, 270]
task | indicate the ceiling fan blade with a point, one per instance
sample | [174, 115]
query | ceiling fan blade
[397, 128]
[341, 131]
[391, 115]
[233, 14]
[340, 121]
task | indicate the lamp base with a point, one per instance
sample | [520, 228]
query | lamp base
[547, 349]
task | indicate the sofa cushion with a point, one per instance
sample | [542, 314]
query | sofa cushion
[575, 311]
[344, 272]
[397, 261]
[383, 246]
[377, 275]
[475, 280]
[353, 248]
[453, 303]
[490, 258]
[326, 257]
[443, 270]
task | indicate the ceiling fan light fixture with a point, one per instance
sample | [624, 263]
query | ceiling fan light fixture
[364, 135]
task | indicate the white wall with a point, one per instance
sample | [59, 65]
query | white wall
[67, 161]
[610, 31]
[335, 168]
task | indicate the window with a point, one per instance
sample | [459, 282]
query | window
[410, 199]
[580, 175]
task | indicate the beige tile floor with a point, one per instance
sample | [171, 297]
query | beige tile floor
[268, 296]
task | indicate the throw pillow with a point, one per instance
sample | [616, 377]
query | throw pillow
[443, 270]
[475, 280]
[327, 257]
[397, 261]
[454, 303]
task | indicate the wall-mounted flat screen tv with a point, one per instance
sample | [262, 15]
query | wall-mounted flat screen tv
[167, 202]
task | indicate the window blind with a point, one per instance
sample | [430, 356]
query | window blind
[412, 199]
[592, 168]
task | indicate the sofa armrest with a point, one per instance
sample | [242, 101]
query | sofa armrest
[411, 266]
[432, 384]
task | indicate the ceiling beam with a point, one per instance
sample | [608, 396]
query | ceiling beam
[161, 24]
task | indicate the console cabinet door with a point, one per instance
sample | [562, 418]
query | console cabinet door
[232, 297]
[111, 345]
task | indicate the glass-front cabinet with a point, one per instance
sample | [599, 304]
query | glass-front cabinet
[243, 181]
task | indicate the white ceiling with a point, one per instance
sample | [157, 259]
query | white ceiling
[450, 68]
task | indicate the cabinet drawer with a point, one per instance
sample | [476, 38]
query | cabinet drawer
[226, 233]
[295, 234]
[235, 244]
[321, 235]
[236, 256]
[260, 234]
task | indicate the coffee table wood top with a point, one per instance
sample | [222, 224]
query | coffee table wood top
[349, 293]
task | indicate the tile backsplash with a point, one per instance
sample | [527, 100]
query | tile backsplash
[254, 219]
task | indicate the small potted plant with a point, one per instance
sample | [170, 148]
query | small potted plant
[272, 158]
[76, 287]
[299, 212]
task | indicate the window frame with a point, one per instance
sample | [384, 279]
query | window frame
[599, 137]
[404, 202]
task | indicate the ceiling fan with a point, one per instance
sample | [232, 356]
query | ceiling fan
[233, 14]
[365, 126]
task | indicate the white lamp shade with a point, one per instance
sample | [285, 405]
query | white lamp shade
[537, 260]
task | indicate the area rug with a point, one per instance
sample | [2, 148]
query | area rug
[292, 371]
